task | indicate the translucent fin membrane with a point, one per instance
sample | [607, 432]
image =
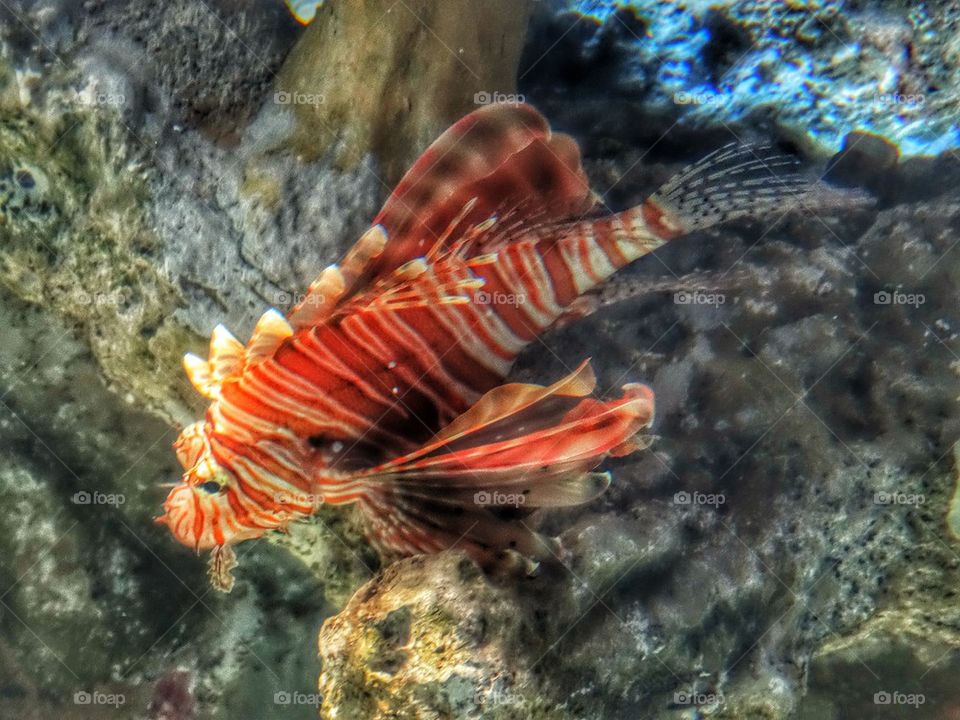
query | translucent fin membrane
[520, 447]
[744, 180]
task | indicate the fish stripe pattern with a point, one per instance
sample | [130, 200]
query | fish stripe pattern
[383, 386]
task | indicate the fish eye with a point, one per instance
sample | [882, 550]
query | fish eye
[211, 486]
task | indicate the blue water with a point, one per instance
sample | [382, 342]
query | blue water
[865, 74]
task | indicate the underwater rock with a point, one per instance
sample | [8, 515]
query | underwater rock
[96, 602]
[172, 698]
[865, 160]
[953, 514]
[387, 78]
[817, 69]
[201, 65]
[898, 665]
[785, 532]
[428, 637]
[146, 238]
[76, 245]
[71, 562]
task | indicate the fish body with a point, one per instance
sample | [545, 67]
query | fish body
[384, 386]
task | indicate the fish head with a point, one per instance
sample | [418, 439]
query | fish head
[197, 515]
[199, 510]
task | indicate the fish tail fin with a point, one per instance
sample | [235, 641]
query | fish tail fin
[735, 181]
[731, 182]
[519, 448]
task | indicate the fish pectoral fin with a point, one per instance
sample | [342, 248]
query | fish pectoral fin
[512, 399]
[520, 447]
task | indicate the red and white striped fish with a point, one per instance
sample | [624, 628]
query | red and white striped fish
[383, 387]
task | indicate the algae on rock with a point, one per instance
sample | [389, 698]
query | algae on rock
[81, 248]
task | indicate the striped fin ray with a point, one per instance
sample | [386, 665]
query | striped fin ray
[271, 330]
[226, 359]
[419, 282]
[320, 299]
[229, 358]
[330, 287]
[508, 402]
[410, 523]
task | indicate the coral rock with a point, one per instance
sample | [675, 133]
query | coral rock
[387, 77]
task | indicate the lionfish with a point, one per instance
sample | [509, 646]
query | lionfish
[383, 386]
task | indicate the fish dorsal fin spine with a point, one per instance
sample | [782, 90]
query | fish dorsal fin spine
[321, 298]
[412, 269]
[271, 330]
[451, 228]
[226, 352]
[369, 247]
[226, 358]
[332, 284]
[501, 161]
[198, 372]
[498, 160]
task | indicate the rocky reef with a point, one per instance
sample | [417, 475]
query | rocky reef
[819, 68]
[420, 70]
[783, 549]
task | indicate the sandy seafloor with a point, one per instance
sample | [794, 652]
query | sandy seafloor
[784, 549]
